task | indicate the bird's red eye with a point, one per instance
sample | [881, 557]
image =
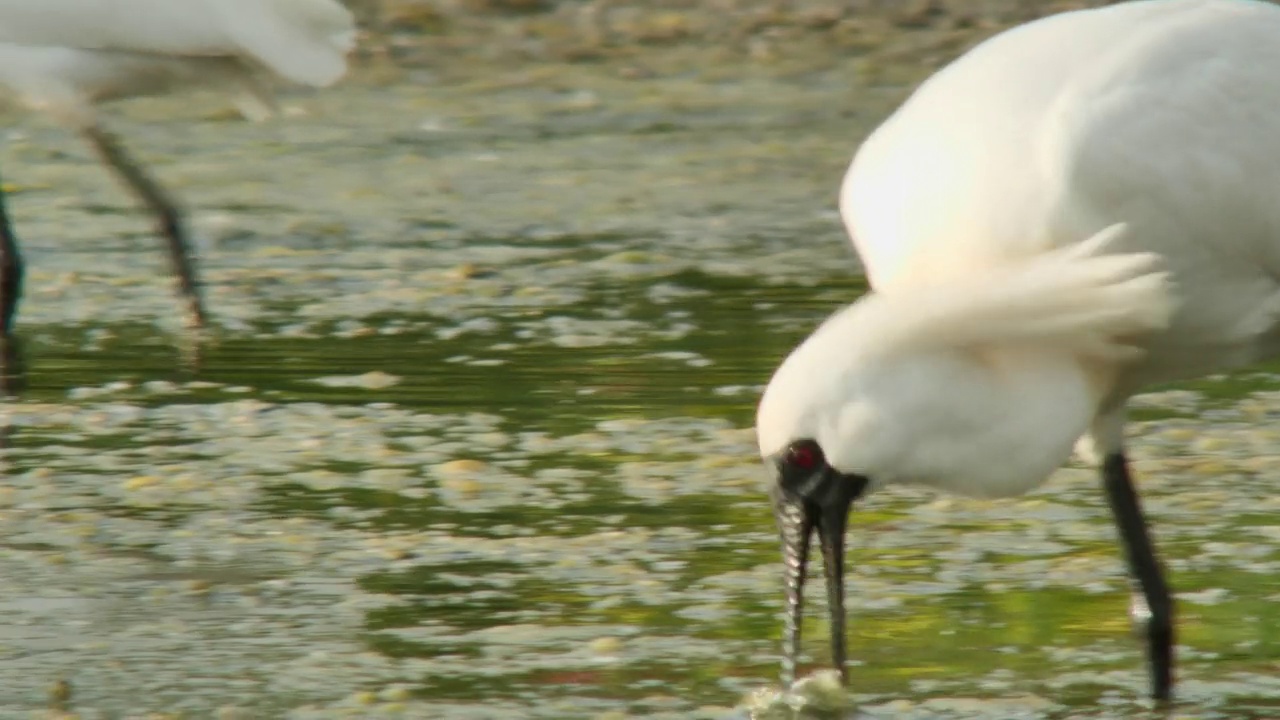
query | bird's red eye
[804, 455]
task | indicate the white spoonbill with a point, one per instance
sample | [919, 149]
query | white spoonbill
[64, 56]
[1074, 209]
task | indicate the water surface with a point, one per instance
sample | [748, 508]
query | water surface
[474, 437]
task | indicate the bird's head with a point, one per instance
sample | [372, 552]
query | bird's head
[874, 397]
[815, 432]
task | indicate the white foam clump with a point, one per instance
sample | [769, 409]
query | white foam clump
[818, 695]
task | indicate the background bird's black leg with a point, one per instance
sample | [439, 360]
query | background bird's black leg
[1152, 606]
[171, 226]
[11, 276]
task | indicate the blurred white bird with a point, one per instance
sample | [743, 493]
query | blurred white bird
[63, 56]
[1075, 209]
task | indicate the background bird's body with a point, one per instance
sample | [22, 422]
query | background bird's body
[67, 82]
[1161, 115]
[63, 56]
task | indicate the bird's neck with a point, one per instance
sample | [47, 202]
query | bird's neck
[1011, 419]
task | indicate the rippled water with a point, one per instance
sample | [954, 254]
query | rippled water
[474, 437]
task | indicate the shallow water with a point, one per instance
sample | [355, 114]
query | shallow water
[473, 439]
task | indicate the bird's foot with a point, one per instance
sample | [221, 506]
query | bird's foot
[195, 317]
[193, 345]
[1139, 614]
[1157, 635]
[13, 370]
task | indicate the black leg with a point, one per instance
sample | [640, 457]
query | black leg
[166, 211]
[11, 275]
[1152, 606]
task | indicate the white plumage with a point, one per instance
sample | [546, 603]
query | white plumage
[63, 56]
[927, 385]
[1075, 209]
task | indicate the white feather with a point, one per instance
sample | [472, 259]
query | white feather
[1073, 210]
[1086, 304]
[918, 385]
[65, 55]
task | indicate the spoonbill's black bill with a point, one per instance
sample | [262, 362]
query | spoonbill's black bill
[1076, 209]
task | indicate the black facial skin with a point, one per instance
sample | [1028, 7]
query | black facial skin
[811, 496]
